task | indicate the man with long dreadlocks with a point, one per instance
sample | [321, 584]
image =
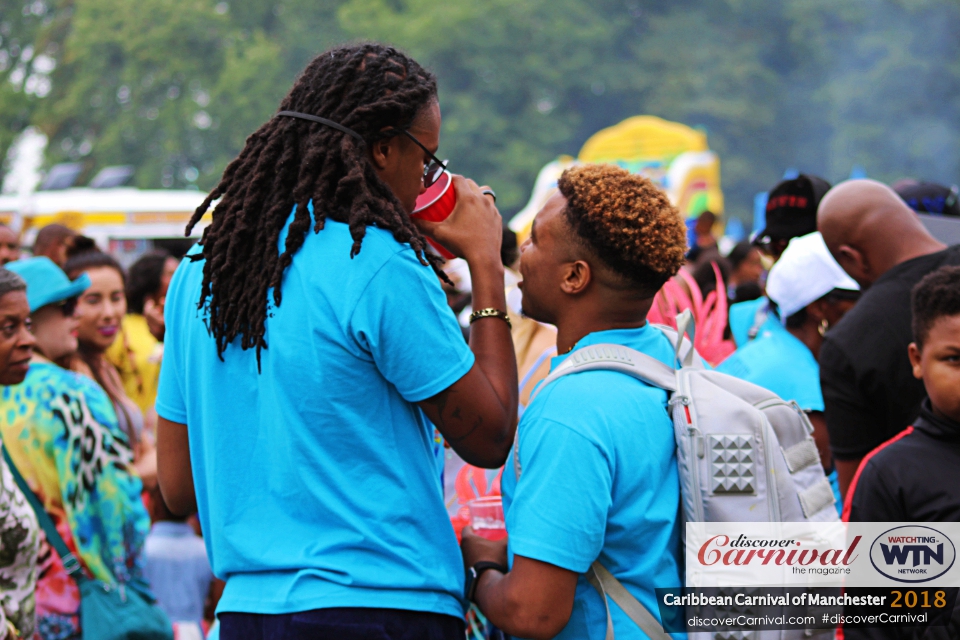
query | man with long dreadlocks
[308, 340]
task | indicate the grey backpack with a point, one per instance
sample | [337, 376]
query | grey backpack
[744, 455]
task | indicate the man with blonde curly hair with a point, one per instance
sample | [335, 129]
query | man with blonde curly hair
[595, 450]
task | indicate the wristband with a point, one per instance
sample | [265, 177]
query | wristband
[490, 312]
[473, 577]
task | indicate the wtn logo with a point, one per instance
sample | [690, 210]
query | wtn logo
[912, 554]
[899, 554]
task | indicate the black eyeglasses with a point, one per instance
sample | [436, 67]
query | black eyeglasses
[67, 307]
[431, 172]
[434, 169]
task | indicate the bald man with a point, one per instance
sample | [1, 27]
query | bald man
[869, 392]
[52, 241]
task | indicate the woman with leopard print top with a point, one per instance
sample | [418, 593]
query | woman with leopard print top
[61, 432]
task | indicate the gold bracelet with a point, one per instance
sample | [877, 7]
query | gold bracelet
[490, 312]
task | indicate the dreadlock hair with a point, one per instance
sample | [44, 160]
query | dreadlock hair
[937, 295]
[628, 223]
[290, 162]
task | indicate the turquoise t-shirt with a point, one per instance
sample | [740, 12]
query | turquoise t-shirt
[779, 362]
[744, 315]
[316, 480]
[599, 481]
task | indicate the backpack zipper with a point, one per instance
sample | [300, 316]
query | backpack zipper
[695, 446]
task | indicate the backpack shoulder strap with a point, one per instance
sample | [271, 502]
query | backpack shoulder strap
[683, 348]
[70, 563]
[608, 586]
[614, 357]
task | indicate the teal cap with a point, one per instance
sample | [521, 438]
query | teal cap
[46, 282]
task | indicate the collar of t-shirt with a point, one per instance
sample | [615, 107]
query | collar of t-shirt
[626, 337]
[941, 428]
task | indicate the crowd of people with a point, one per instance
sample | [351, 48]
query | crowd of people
[78, 429]
[307, 403]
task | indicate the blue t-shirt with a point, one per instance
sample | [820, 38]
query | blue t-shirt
[599, 481]
[316, 480]
[744, 315]
[778, 362]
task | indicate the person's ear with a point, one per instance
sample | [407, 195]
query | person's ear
[382, 153]
[816, 311]
[913, 351]
[854, 262]
[576, 277]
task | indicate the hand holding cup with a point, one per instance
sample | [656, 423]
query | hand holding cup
[474, 229]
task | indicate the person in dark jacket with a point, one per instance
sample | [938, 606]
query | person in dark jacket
[915, 476]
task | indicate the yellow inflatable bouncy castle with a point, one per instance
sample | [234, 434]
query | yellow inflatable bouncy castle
[673, 155]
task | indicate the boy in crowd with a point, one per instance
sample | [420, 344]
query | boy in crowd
[914, 476]
[595, 450]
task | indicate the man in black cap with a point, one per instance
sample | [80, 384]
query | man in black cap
[791, 212]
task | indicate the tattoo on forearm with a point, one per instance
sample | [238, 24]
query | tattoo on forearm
[448, 422]
[440, 402]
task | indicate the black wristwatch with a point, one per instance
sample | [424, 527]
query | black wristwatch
[473, 577]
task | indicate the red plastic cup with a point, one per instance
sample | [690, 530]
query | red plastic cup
[436, 204]
[486, 518]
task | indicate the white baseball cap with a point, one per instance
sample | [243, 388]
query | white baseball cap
[805, 273]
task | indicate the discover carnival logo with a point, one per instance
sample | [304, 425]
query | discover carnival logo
[821, 554]
[745, 551]
[912, 554]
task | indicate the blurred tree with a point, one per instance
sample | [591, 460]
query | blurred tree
[517, 80]
[132, 86]
[175, 88]
[882, 85]
[31, 35]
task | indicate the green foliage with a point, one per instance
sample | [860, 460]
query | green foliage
[31, 33]
[174, 88]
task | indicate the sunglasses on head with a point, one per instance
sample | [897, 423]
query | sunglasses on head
[68, 307]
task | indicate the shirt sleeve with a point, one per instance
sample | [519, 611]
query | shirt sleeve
[170, 403]
[563, 496]
[403, 321]
[850, 422]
